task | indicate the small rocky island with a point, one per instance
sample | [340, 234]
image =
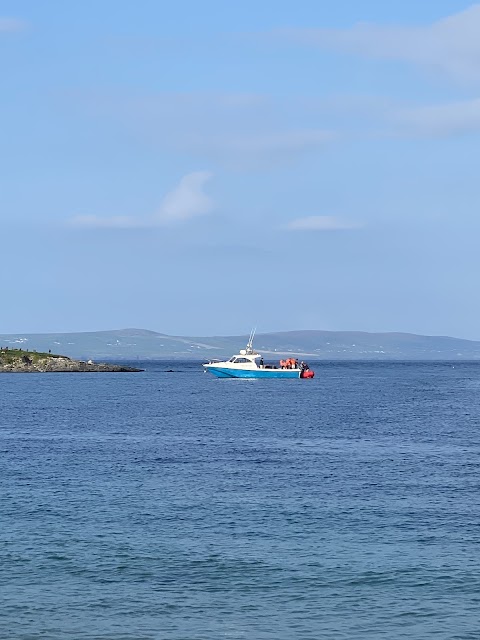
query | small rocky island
[20, 361]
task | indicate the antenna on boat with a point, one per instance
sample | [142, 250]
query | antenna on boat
[250, 341]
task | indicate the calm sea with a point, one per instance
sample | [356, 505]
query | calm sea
[176, 506]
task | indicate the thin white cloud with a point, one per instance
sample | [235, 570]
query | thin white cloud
[440, 120]
[390, 119]
[451, 44]
[233, 129]
[11, 24]
[320, 223]
[187, 200]
[377, 117]
[278, 142]
[113, 222]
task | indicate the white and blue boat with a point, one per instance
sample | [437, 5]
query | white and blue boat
[249, 364]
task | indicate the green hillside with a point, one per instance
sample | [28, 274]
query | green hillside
[327, 345]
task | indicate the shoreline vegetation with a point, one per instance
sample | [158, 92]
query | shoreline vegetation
[21, 361]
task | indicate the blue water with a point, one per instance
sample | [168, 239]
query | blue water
[179, 506]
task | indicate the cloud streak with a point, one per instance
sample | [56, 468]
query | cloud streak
[320, 223]
[9, 25]
[112, 222]
[187, 200]
[233, 129]
[450, 44]
[293, 141]
[440, 120]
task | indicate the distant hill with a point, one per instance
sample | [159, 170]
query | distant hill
[141, 344]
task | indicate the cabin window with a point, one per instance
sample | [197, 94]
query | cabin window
[241, 360]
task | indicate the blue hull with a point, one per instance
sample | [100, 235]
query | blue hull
[221, 372]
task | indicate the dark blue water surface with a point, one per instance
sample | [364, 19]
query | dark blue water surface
[183, 507]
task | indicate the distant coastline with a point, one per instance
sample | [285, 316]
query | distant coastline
[141, 344]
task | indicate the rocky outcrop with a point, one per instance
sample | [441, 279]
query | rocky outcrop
[30, 362]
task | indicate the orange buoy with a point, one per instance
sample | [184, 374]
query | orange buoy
[308, 373]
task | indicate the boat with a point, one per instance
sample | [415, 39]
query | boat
[249, 364]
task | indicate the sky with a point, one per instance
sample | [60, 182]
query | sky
[200, 168]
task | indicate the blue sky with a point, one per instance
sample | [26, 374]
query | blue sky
[200, 168]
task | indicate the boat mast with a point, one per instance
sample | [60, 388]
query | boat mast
[250, 341]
